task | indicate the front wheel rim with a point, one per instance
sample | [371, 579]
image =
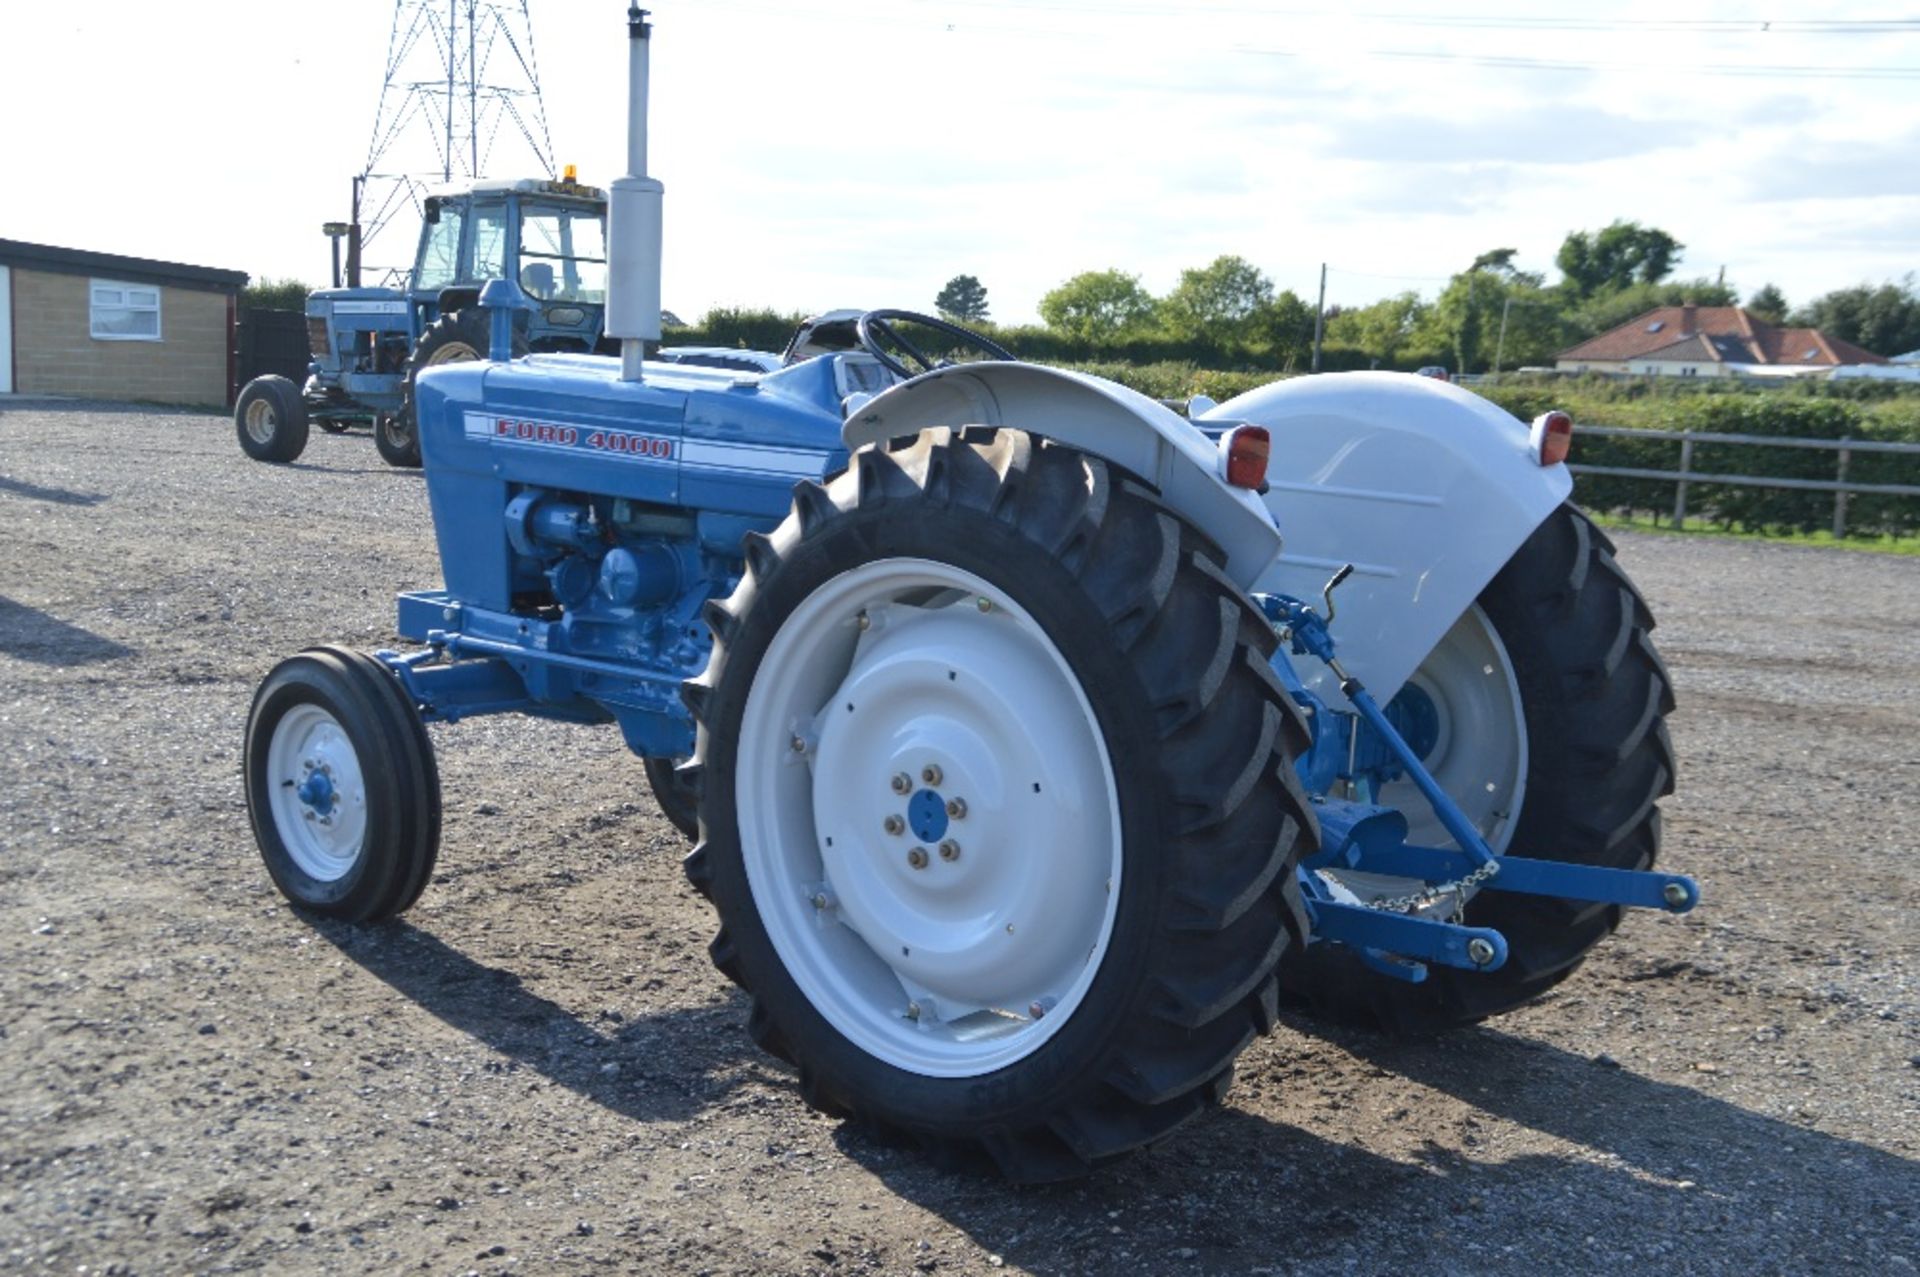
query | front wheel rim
[317, 793]
[261, 421]
[929, 823]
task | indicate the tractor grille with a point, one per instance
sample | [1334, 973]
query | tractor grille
[318, 344]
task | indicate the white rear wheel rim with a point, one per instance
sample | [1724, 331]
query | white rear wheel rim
[970, 956]
[322, 822]
[1479, 756]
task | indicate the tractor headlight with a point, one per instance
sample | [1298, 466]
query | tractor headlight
[566, 316]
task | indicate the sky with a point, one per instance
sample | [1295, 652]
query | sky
[862, 152]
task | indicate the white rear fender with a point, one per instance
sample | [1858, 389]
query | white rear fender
[1425, 488]
[1098, 417]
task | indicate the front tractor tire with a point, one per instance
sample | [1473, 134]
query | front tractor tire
[341, 786]
[674, 795]
[997, 801]
[271, 419]
[454, 338]
[1553, 704]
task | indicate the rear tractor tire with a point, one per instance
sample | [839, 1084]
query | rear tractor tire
[451, 339]
[1553, 706]
[341, 785]
[271, 419]
[997, 802]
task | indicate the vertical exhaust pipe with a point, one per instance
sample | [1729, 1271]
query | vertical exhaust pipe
[633, 217]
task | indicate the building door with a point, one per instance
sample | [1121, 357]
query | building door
[6, 330]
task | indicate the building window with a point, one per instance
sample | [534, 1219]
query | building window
[124, 312]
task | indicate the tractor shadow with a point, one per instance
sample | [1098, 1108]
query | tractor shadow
[58, 496]
[1657, 1177]
[656, 1068]
[320, 467]
[28, 634]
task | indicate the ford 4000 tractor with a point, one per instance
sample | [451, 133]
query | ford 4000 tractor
[369, 344]
[1027, 772]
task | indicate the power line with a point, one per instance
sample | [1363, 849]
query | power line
[1761, 70]
[926, 16]
[1730, 26]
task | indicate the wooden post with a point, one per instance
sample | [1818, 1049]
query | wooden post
[1320, 317]
[1840, 498]
[1680, 488]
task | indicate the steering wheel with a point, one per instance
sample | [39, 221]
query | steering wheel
[880, 339]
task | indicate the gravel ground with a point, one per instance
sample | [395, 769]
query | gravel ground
[538, 1071]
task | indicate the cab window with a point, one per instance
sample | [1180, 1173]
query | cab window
[563, 255]
[440, 251]
[490, 242]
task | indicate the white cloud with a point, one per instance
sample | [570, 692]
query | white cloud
[862, 152]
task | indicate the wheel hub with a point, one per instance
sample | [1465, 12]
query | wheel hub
[319, 793]
[261, 421]
[927, 815]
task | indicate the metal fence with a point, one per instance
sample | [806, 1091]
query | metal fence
[1686, 475]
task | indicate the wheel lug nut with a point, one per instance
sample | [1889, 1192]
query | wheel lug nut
[894, 825]
[864, 621]
[799, 744]
[957, 808]
[917, 857]
[949, 850]
[984, 604]
[902, 783]
[930, 773]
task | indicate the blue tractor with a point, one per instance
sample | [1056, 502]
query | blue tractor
[369, 344]
[1019, 761]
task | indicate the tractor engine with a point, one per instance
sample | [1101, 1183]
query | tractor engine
[590, 518]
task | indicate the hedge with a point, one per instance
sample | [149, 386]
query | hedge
[1790, 412]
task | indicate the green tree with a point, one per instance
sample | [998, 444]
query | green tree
[1468, 316]
[1383, 329]
[1469, 309]
[1621, 254]
[1885, 320]
[1098, 305]
[1219, 302]
[1769, 303]
[269, 293]
[1285, 326]
[964, 298]
[1497, 260]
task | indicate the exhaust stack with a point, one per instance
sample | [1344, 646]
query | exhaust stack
[633, 216]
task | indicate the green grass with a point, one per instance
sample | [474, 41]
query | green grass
[1702, 527]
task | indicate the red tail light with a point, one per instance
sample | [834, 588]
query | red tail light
[1552, 437]
[1247, 449]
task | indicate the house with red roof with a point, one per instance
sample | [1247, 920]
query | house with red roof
[1711, 341]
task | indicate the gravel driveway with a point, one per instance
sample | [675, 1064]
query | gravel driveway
[539, 1071]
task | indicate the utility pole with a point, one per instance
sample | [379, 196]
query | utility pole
[1320, 317]
[1500, 347]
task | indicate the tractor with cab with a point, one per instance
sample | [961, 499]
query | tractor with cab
[368, 345]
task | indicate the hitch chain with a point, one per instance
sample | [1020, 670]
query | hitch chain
[1433, 895]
